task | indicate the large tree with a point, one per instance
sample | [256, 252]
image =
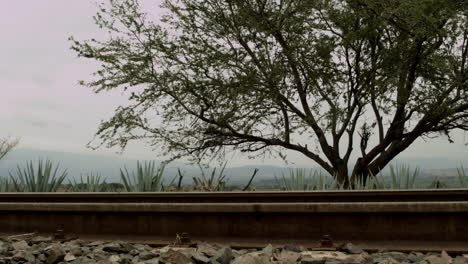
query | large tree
[320, 77]
[6, 145]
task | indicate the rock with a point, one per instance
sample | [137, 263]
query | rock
[114, 258]
[3, 247]
[184, 250]
[76, 251]
[105, 261]
[459, 260]
[116, 249]
[445, 257]
[111, 244]
[433, 259]
[352, 249]
[200, 258]
[292, 248]
[147, 255]
[55, 254]
[96, 243]
[388, 261]
[415, 257]
[22, 255]
[252, 258]
[268, 250]
[42, 257]
[142, 247]
[286, 256]
[152, 261]
[398, 256]
[39, 239]
[20, 245]
[173, 257]
[207, 249]
[69, 257]
[224, 256]
[316, 257]
[134, 252]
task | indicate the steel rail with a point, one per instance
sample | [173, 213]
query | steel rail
[243, 197]
[258, 208]
[400, 216]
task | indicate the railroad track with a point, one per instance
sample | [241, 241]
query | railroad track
[439, 195]
[396, 218]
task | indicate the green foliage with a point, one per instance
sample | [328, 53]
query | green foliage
[213, 183]
[371, 183]
[42, 179]
[148, 178]
[462, 178]
[5, 185]
[92, 183]
[113, 187]
[215, 75]
[402, 177]
[299, 180]
[7, 145]
[437, 184]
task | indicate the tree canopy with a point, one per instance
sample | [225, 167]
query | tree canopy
[255, 75]
[6, 145]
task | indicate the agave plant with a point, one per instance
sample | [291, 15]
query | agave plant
[148, 178]
[402, 177]
[437, 184]
[92, 183]
[213, 183]
[372, 183]
[5, 184]
[42, 179]
[462, 178]
[299, 180]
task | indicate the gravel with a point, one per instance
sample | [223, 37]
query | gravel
[38, 250]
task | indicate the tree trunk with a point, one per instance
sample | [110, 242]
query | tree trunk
[360, 172]
[341, 175]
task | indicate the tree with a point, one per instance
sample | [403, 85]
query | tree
[254, 75]
[7, 145]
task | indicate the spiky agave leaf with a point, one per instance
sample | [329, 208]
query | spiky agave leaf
[5, 184]
[215, 182]
[44, 179]
[148, 178]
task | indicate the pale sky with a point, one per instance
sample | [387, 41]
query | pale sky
[41, 102]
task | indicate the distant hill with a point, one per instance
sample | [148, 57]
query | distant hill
[108, 166]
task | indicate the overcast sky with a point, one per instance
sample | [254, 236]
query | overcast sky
[42, 103]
